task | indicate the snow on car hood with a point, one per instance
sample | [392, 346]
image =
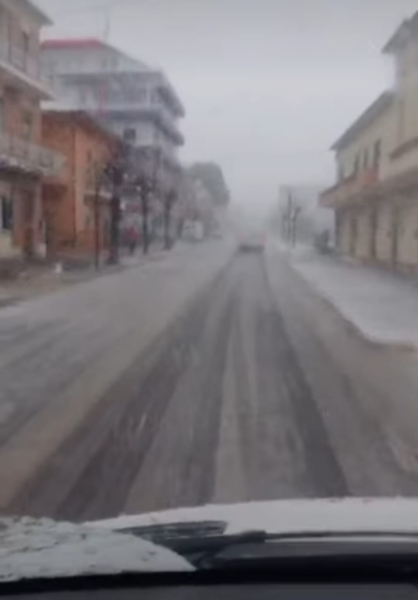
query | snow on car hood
[31, 548]
[43, 548]
[348, 514]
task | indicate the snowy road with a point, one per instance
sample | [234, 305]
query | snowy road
[258, 390]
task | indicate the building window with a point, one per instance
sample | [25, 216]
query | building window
[377, 151]
[6, 214]
[25, 43]
[141, 94]
[51, 67]
[129, 135]
[356, 165]
[365, 159]
[27, 125]
[401, 119]
[25, 50]
[88, 221]
[89, 170]
[1, 114]
[83, 96]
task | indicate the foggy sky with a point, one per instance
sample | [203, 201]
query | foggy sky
[268, 84]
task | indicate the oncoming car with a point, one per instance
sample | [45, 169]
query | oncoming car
[252, 242]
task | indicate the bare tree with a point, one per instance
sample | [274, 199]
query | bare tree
[169, 201]
[116, 172]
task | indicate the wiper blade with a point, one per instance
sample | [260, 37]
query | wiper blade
[209, 541]
[201, 542]
[209, 551]
[327, 534]
[217, 542]
[170, 534]
[246, 549]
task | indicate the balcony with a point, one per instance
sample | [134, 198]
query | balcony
[142, 107]
[350, 190]
[21, 69]
[19, 155]
[153, 111]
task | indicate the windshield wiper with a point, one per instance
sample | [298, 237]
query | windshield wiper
[203, 544]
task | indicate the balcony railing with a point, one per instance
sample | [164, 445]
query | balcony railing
[350, 189]
[19, 59]
[140, 105]
[18, 154]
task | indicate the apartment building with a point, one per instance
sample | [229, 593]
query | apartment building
[77, 201]
[375, 198]
[23, 159]
[129, 97]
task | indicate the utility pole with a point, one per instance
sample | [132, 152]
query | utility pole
[97, 224]
[169, 202]
[108, 21]
[287, 219]
[294, 222]
[116, 173]
[146, 189]
[114, 227]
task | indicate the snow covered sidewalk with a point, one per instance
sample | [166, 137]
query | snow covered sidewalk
[382, 306]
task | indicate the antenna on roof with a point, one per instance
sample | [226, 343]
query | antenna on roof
[108, 21]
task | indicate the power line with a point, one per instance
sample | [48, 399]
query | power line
[93, 8]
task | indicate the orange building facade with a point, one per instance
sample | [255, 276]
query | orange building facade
[77, 203]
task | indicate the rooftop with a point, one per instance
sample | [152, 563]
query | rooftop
[378, 107]
[95, 43]
[34, 9]
[405, 30]
[66, 43]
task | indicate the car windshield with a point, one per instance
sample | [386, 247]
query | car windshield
[208, 264]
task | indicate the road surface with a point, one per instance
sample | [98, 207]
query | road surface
[255, 389]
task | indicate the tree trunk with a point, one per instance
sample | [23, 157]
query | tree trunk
[145, 232]
[114, 230]
[167, 226]
[96, 232]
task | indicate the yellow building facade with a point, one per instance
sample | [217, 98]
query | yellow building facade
[376, 196]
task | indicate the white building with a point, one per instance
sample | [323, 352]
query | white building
[130, 97]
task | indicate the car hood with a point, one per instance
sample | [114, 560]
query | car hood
[32, 548]
[285, 516]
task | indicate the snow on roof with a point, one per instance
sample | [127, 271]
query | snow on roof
[91, 43]
[40, 14]
[406, 29]
[88, 43]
